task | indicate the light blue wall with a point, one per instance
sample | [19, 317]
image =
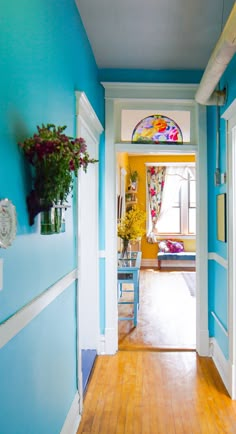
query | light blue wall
[45, 57]
[37, 371]
[218, 277]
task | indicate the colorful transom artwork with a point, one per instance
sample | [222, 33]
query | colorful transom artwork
[157, 129]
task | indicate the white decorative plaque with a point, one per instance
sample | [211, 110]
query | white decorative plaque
[7, 223]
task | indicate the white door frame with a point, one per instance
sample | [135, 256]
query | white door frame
[230, 116]
[88, 332]
[165, 95]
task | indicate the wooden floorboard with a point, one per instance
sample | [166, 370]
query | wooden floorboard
[166, 316]
[157, 393]
[156, 383]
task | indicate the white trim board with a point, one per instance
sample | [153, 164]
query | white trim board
[24, 316]
[73, 418]
[88, 116]
[221, 363]
[89, 127]
[130, 96]
[212, 256]
[163, 92]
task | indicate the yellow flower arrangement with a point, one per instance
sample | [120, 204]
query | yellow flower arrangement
[131, 224]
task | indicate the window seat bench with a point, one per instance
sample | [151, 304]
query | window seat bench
[181, 259]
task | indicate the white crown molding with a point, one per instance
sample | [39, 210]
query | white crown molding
[160, 91]
[212, 256]
[73, 418]
[84, 111]
[24, 316]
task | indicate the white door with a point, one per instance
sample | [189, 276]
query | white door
[90, 129]
[230, 380]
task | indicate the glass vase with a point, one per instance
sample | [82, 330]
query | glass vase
[53, 220]
[57, 219]
[47, 222]
[125, 249]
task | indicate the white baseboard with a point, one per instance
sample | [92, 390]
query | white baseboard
[73, 418]
[111, 341]
[202, 344]
[101, 345]
[221, 363]
[149, 263]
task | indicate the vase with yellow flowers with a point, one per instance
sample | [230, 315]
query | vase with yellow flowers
[130, 227]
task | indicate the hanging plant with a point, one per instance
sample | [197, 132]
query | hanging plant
[56, 159]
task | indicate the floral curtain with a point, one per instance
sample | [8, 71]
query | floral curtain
[155, 183]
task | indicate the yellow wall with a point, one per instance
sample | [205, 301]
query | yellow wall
[122, 160]
[149, 251]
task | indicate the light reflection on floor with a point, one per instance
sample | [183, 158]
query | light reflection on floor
[167, 313]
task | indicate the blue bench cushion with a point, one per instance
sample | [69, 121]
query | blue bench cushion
[186, 256]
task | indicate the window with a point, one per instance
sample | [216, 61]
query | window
[157, 129]
[177, 214]
[131, 118]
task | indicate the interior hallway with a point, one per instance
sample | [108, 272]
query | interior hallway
[157, 393]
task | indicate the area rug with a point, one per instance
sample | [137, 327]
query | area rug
[190, 279]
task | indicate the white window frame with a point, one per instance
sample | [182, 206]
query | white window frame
[184, 223]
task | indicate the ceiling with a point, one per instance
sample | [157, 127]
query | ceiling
[153, 34]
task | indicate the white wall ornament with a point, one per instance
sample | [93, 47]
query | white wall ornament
[8, 223]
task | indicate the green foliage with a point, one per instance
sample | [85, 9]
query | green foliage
[56, 159]
[133, 175]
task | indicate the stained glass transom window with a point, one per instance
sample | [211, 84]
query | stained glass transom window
[157, 129]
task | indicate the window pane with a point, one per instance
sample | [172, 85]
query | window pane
[192, 194]
[170, 223]
[176, 198]
[131, 117]
[192, 220]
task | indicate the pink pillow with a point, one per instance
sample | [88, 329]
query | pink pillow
[163, 246]
[175, 246]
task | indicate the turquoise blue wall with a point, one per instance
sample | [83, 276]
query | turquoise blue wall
[150, 76]
[45, 57]
[218, 277]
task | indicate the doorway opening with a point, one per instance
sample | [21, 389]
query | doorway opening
[167, 304]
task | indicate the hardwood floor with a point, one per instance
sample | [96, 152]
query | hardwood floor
[136, 392]
[158, 392]
[166, 317]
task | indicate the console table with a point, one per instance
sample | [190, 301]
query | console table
[128, 272]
